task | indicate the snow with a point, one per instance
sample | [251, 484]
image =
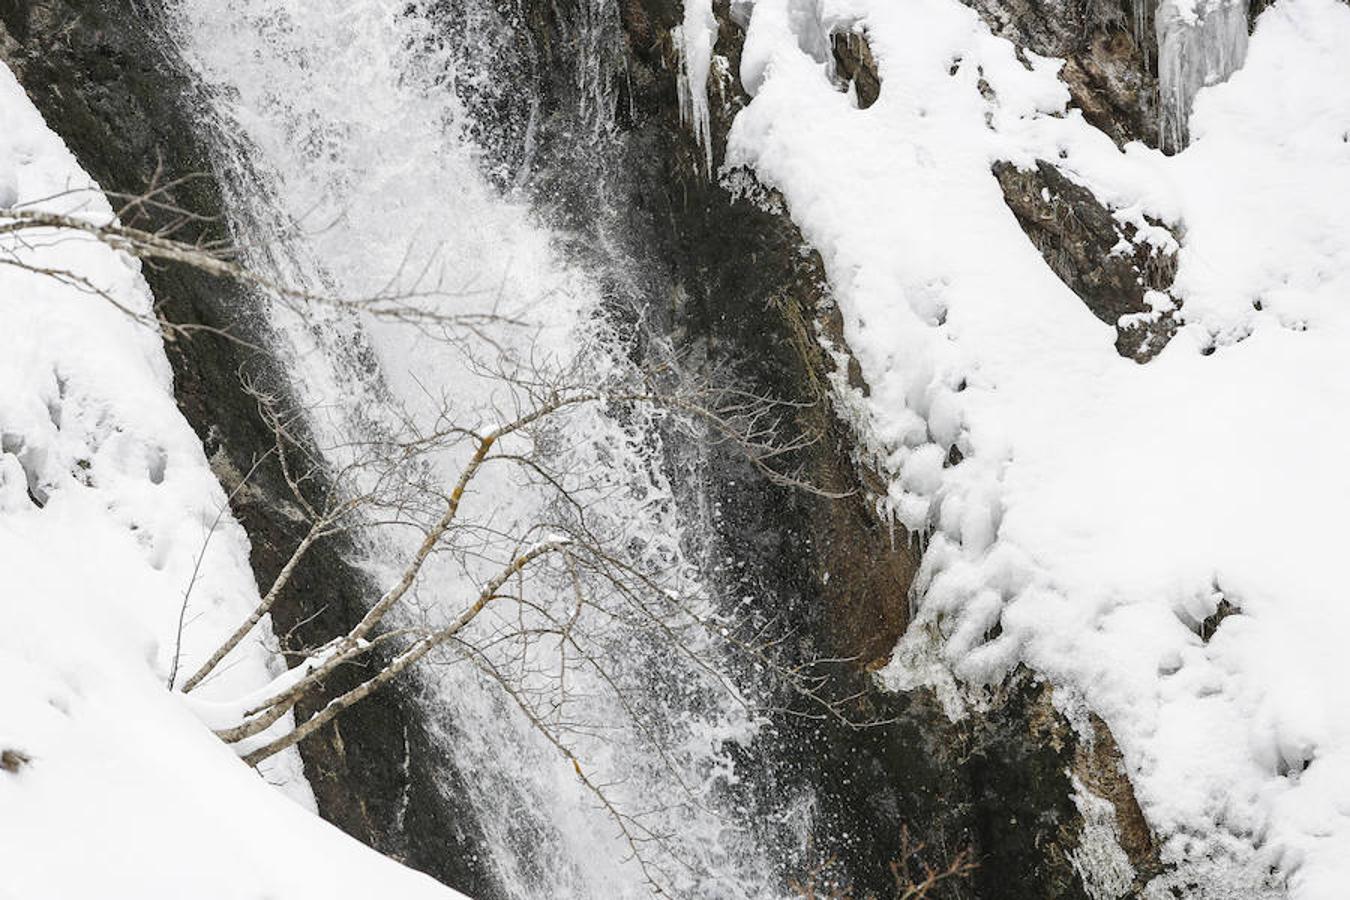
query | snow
[1102, 508]
[107, 503]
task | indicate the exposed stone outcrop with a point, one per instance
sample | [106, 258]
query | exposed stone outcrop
[1099, 771]
[1110, 54]
[855, 64]
[1111, 65]
[1107, 263]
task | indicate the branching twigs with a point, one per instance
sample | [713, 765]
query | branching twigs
[415, 303]
[269, 599]
[601, 587]
[544, 604]
[351, 646]
[197, 567]
[321, 525]
[634, 834]
[915, 878]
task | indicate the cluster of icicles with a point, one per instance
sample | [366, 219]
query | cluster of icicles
[1200, 42]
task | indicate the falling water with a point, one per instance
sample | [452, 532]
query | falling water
[383, 131]
[1200, 43]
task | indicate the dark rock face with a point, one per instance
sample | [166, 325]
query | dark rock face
[103, 80]
[854, 63]
[1111, 70]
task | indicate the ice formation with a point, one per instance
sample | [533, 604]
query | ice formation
[1200, 43]
[694, 40]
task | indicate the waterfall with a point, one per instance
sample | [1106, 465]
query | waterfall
[1200, 43]
[374, 136]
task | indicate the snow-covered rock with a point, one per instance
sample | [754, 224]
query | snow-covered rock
[1163, 541]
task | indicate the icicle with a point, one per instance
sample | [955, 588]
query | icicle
[1200, 42]
[694, 41]
[1140, 22]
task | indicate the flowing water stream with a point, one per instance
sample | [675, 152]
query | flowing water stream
[380, 140]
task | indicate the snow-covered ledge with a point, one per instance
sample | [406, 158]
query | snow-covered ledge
[1164, 543]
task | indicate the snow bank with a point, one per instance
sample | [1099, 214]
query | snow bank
[110, 786]
[1104, 513]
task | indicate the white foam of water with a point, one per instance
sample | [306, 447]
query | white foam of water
[349, 115]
